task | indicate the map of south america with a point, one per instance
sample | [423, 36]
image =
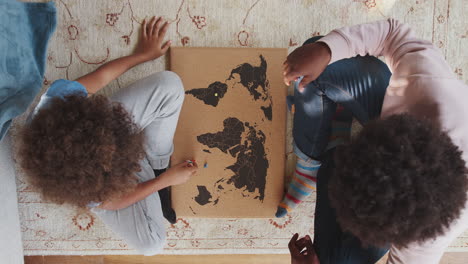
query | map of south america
[210, 95]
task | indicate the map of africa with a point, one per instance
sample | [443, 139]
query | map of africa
[251, 166]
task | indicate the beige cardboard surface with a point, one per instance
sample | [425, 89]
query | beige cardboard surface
[233, 120]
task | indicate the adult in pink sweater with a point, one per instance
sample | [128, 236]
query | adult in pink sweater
[401, 183]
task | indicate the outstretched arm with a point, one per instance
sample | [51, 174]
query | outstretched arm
[150, 46]
[176, 175]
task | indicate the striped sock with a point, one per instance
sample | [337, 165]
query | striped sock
[302, 184]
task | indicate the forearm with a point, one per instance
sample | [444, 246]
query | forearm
[142, 191]
[108, 72]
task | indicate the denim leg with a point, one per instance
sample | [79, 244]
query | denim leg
[312, 120]
[359, 85]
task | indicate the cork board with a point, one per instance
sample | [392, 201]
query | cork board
[233, 124]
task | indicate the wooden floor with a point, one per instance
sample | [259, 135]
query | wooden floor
[449, 258]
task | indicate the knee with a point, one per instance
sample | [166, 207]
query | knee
[167, 92]
[170, 84]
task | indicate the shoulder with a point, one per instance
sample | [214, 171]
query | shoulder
[59, 89]
[62, 88]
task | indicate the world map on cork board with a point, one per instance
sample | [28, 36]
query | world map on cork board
[233, 124]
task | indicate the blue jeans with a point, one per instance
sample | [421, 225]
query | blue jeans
[359, 85]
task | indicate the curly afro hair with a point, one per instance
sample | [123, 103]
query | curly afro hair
[79, 150]
[400, 180]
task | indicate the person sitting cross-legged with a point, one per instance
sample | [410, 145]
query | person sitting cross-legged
[401, 183]
[111, 153]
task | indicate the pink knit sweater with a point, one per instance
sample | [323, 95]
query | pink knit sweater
[422, 84]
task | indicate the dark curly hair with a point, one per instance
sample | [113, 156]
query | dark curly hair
[80, 149]
[400, 180]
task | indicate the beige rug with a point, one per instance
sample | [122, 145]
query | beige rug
[92, 32]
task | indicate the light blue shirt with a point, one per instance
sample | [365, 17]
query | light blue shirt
[60, 88]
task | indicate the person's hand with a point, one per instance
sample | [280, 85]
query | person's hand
[179, 173]
[150, 45]
[302, 250]
[309, 61]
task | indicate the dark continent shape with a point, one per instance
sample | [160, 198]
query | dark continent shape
[250, 169]
[267, 111]
[224, 140]
[210, 95]
[251, 166]
[203, 196]
[252, 77]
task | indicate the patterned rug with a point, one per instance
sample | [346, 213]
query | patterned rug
[90, 33]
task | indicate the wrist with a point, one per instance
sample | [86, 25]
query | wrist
[326, 50]
[162, 181]
[140, 57]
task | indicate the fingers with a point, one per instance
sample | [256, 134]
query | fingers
[292, 245]
[288, 73]
[162, 33]
[308, 244]
[290, 76]
[286, 69]
[306, 80]
[143, 28]
[157, 25]
[194, 167]
[154, 28]
[187, 163]
[301, 243]
[150, 27]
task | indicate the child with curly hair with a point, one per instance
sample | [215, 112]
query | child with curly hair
[111, 154]
[401, 183]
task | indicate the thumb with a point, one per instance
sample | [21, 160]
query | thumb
[166, 46]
